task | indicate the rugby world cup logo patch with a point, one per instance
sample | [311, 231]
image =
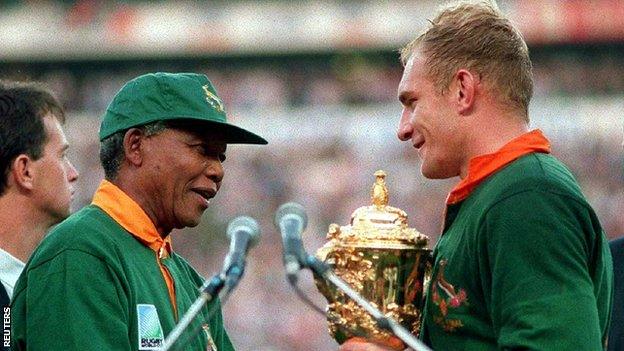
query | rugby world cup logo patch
[150, 331]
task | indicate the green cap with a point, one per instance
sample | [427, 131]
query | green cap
[171, 96]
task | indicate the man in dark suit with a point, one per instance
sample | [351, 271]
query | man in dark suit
[36, 179]
[616, 335]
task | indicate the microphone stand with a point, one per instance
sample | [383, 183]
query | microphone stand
[244, 232]
[386, 323]
[221, 285]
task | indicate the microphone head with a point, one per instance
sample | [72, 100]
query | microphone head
[247, 224]
[291, 209]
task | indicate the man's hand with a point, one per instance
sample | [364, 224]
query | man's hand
[359, 344]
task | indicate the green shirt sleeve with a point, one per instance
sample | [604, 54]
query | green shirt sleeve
[68, 309]
[542, 253]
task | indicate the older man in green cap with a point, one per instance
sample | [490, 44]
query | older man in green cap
[107, 278]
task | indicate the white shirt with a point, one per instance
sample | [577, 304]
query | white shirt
[10, 270]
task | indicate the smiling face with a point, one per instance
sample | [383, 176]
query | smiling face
[184, 171]
[430, 122]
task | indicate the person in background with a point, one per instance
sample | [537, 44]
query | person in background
[36, 179]
[108, 278]
[522, 261]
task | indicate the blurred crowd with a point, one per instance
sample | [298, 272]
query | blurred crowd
[330, 170]
[349, 78]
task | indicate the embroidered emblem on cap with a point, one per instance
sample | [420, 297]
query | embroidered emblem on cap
[213, 99]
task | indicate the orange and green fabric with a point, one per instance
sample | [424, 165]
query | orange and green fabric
[105, 280]
[522, 262]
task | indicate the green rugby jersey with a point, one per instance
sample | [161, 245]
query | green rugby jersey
[522, 264]
[92, 285]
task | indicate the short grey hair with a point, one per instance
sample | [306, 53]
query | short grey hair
[112, 150]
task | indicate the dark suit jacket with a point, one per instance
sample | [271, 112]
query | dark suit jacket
[616, 335]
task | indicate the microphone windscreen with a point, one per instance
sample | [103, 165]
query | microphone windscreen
[246, 224]
[291, 208]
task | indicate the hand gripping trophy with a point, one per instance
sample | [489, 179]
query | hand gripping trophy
[384, 260]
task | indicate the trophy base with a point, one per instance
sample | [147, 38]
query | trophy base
[348, 320]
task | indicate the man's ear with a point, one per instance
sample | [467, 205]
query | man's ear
[133, 144]
[464, 90]
[22, 172]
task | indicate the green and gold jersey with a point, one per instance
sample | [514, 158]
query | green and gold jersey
[101, 280]
[522, 264]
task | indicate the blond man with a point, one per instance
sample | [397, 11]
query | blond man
[522, 261]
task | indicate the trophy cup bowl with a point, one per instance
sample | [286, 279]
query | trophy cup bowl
[384, 260]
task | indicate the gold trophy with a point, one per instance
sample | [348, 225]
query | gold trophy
[384, 260]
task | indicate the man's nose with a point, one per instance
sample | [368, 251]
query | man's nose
[405, 130]
[214, 171]
[72, 174]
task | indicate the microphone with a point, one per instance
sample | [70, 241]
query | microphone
[244, 233]
[291, 219]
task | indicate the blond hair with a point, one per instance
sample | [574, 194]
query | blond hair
[478, 37]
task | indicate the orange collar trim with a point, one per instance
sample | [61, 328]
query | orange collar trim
[125, 211]
[481, 167]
